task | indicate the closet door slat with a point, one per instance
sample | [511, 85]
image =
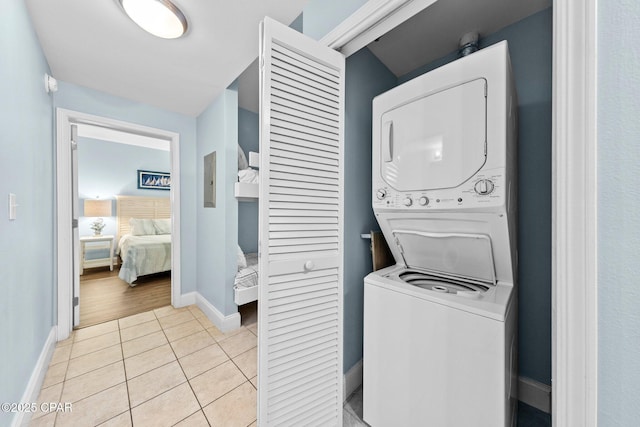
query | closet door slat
[309, 125]
[295, 143]
[329, 74]
[297, 110]
[314, 78]
[303, 149]
[282, 75]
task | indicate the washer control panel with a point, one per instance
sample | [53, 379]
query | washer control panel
[482, 190]
[484, 187]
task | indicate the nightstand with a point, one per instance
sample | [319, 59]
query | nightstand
[105, 241]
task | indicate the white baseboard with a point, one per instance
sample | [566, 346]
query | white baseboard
[352, 379]
[32, 391]
[535, 394]
[186, 299]
[222, 322]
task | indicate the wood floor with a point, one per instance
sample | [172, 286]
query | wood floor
[104, 297]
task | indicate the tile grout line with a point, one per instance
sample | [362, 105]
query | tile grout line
[189, 380]
[126, 377]
[64, 379]
[241, 371]
[185, 374]
[119, 329]
[223, 395]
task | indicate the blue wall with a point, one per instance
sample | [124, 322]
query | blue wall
[618, 218]
[530, 45]
[27, 270]
[366, 77]
[107, 169]
[530, 48]
[297, 23]
[319, 17]
[248, 138]
[85, 100]
[218, 227]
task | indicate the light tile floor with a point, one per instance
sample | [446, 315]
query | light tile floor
[168, 367]
[164, 367]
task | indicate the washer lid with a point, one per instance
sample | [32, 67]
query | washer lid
[463, 255]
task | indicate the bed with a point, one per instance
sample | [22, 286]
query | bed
[144, 236]
[245, 287]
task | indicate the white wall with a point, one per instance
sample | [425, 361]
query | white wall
[108, 169]
[217, 227]
[27, 272]
[618, 212]
[90, 101]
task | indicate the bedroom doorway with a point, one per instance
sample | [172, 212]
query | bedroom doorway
[121, 273]
[155, 213]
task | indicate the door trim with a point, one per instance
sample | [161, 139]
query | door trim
[574, 214]
[63, 239]
[374, 19]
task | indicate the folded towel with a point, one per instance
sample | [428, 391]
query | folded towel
[249, 176]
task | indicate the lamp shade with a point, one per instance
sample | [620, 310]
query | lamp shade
[97, 208]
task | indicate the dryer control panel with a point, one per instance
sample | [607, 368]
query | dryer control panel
[486, 189]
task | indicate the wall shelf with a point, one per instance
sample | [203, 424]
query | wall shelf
[245, 295]
[246, 192]
[254, 160]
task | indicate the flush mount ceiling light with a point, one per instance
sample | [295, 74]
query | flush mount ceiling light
[158, 17]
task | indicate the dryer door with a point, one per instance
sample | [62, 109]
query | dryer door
[436, 141]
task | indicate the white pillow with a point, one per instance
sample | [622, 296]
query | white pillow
[142, 227]
[162, 226]
[242, 159]
[242, 261]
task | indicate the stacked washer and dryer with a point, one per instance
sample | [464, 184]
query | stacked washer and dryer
[440, 325]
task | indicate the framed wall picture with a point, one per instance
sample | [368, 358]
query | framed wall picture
[151, 180]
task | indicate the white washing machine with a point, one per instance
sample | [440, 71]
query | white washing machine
[440, 326]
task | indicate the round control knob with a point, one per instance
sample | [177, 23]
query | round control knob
[424, 201]
[484, 186]
[407, 201]
[381, 193]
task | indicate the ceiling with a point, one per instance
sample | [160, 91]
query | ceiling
[435, 32]
[94, 44]
[429, 35]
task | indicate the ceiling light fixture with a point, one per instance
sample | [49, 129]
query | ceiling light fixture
[158, 17]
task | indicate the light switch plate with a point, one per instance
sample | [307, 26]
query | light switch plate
[12, 206]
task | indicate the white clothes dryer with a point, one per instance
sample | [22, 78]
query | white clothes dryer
[440, 326]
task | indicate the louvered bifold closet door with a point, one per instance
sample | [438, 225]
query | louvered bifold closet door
[301, 216]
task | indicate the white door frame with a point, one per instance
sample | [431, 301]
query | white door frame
[64, 198]
[574, 232]
[574, 178]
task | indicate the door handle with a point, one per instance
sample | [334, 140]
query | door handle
[387, 141]
[308, 266]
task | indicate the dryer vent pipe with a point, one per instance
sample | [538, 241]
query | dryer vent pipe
[468, 44]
